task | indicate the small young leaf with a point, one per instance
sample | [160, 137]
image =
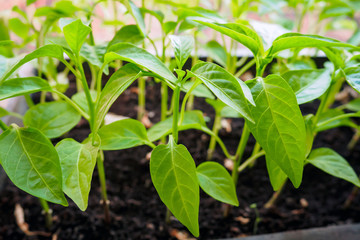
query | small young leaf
[183, 45]
[353, 77]
[216, 52]
[225, 86]
[75, 34]
[133, 54]
[173, 173]
[32, 163]
[77, 163]
[136, 13]
[53, 119]
[3, 112]
[117, 83]
[308, 84]
[298, 40]
[93, 54]
[20, 86]
[279, 126]
[123, 134]
[217, 182]
[332, 163]
[239, 32]
[128, 33]
[353, 105]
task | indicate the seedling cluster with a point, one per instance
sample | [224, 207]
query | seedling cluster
[269, 104]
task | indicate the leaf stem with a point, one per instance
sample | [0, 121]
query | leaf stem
[215, 130]
[274, 197]
[187, 95]
[102, 179]
[245, 68]
[250, 160]
[347, 115]
[240, 152]
[73, 104]
[164, 104]
[141, 98]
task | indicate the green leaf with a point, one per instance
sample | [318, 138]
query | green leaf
[75, 34]
[77, 163]
[353, 77]
[240, 33]
[216, 52]
[332, 163]
[21, 86]
[183, 45]
[19, 28]
[225, 86]
[353, 105]
[279, 126]
[136, 13]
[192, 120]
[217, 182]
[123, 134]
[51, 50]
[308, 84]
[169, 27]
[53, 119]
[298, 40]
[29, 2]
[139, 56]
[173, 173]
[80, 99]
[117, 84]
[200, 91]
[276, 175]
[128, 33]
[93, 54]
[32, 163]
[3, 112]
[325, 122]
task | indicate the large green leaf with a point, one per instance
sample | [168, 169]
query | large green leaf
[131, 53]
[353, 77]
[216, 52]
[117, 83]
[123, 134]
[20, 86]
[279, 126]
[239, 32]
[173, 173]
[77, 163]
[308, 84]
[192, 120]
[183, 45]
[53, 119]
[332, 163]
[93, 54]
[32, 163]
[75, 34]
[51, 50]
[217, 182]
[298, 40]
[276, 175]
[225, 86]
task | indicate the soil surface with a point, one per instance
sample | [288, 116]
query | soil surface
[138, 213]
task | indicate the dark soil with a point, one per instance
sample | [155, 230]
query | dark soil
[138, 213]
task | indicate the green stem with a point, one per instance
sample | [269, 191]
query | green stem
[347, 115]
[187, 96]
[240, 152]
[250, 160]
[274, 197]
[256, 149]
[176, 113]
[245, 68]
[215, 130]
[102, 179]
[87, 93]
[164, 104]
[93, 76]
[3, 126]
[141, 98]
[42, 97]
[47, 212]
[73, 104]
